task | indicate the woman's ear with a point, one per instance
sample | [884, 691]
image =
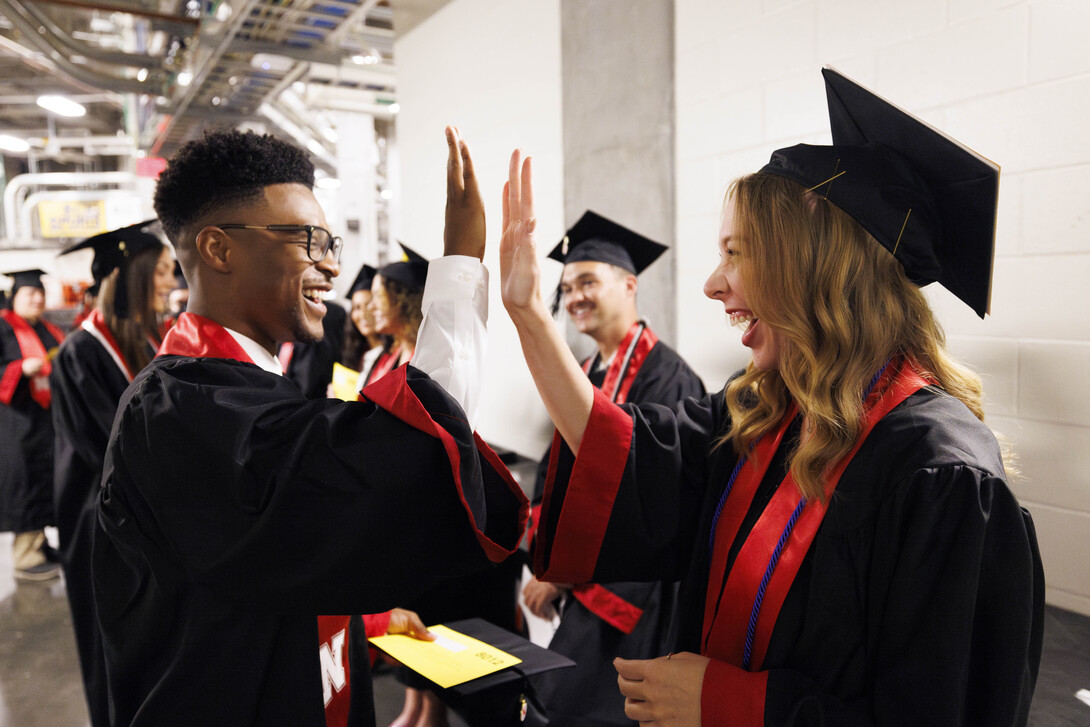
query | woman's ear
[214, 247]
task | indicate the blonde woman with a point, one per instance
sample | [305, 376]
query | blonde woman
[850, 551]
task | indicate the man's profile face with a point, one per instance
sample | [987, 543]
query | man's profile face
[595, 295]
[279, 287]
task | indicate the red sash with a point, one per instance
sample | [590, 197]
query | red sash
[285, 354]
[201, 337]
[738, 625]
[30, 346]
[384, 364]
[637, 344]
[95, 324]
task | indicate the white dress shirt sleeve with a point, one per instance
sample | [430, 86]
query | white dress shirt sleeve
[451, 343]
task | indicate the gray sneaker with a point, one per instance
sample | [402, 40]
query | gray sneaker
[44, 571]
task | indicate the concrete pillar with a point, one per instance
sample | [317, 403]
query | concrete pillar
[356, 209]
[618, 95]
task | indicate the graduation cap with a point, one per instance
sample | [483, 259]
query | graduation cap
[363, 279]
[113, 251]
[923, 196]
[498, 698]
[412, 272]
[26, 279]
[600, 239]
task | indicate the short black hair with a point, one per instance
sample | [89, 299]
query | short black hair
[222, 169]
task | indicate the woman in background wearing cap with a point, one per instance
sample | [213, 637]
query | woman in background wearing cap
[913, 593]
[90, 373]
[27, 343]
[362, 344]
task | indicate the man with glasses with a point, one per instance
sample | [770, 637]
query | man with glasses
[233, 510]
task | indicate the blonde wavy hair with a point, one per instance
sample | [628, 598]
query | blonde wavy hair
[842, 307]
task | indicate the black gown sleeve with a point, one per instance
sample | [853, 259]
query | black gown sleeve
[952, 598]
[282, 503]
[622, 512]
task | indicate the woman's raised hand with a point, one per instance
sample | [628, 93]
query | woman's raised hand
[520, 277]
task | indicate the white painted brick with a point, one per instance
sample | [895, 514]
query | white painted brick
[1052, 384]
[962, 10]
[1064, 538]
[848, 27]
[1056, 214]
[698, 22]
[971, 59]
[795, 105]
[996, 361]
[1009, 232]
[769, 46]
[1058, 39]
[741, 162]
[695, 74]
[1053, 459]
[1045, 297]
[719, 124]
[1028, 129]
[699, 187]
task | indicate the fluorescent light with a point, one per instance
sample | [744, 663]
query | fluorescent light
[13, 143]
[61, 105]
[142, 75]
[185, 78]
[315, 147]
[394, 108]
[328, 183]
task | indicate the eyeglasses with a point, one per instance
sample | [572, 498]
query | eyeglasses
[319, 240]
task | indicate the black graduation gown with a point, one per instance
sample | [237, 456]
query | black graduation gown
[920, 600]
[233, 510]
[86, 384]
[26, 445]
[311, 365]
[586, 695]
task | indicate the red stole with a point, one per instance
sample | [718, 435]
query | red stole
[201, 337]
[738, 625]
[30, 346]
[630, 356]
[636, 345]
[285, 353]
[384, 364]
[95, 324]
[333, 640]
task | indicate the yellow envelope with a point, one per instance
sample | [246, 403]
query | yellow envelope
[344, 382]
[453, 658]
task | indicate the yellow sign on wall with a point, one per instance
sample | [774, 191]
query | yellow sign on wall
[72, 219]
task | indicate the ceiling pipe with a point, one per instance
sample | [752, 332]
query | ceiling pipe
[18, 185]
[181, 24]
[65, 66]
[57, 37]
[201, 75]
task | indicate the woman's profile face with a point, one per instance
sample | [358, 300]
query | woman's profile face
[725, 285]
[386, 319]
[361, 312]
[163, 282]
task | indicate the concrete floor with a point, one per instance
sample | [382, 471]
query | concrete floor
[40, 682]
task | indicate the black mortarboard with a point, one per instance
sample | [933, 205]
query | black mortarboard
[496, 698]
[26, 279]
[596, 238]
[113, 250]
[363, 280]
[599, 239]
[926, 198]
[412, 272]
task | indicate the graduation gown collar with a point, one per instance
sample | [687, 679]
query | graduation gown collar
[200, 337]
[633, 350]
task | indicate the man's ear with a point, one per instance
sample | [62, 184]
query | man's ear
[214, 247]
[631, 284]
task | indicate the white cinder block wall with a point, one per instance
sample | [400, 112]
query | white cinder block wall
[492, 69]
[1010, 78]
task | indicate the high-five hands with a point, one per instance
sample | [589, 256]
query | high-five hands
[519, 272]
[464, 231]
